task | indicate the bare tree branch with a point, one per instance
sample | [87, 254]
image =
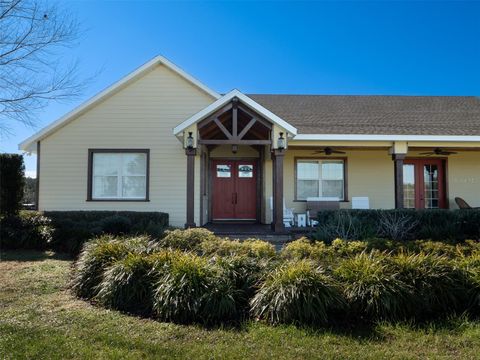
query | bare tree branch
[33, 72]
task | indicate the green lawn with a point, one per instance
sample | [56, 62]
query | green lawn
[39, 318]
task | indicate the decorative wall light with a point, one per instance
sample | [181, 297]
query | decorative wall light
[281, 142]
[189, 142]
[234, 149]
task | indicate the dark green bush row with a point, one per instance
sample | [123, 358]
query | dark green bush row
[73, 228]
[399, 224]
[69, 230]
[26, 230]
[306, 283]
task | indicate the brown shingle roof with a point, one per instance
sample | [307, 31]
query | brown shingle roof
[386, 115]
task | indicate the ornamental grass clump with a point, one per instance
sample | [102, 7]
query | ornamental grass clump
[127, 284]
[99, 254]
[245, 274]
[471, 266]
[439, 286]
[305, 249]
[193, 290]
[250, 247]
[186, 240]
[372, 290]
[297, 293]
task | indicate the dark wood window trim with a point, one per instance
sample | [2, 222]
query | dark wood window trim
[345, 173]
[118, 151]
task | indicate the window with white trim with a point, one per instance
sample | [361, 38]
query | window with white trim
[320, 178]
[119, 176]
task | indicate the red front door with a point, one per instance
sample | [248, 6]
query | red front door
[234, 193]
[424, 183]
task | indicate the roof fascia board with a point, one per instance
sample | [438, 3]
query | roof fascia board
[26, 144]
[362, 137]
[244, 99]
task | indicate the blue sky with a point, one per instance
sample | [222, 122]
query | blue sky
[383, 47]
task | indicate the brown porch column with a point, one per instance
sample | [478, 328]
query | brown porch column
[277, 221]
[190, 188]
[398, 171]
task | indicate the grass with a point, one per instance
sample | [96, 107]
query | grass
[40, 318]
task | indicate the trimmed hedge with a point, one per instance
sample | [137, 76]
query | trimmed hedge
[73, 228]
[12, 182]
[26, 230]
[67, 231]
[398, 224]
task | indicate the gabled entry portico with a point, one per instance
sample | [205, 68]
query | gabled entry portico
[232, 185]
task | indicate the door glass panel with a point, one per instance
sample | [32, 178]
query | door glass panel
[224, 171]
[409, 186]
[430, 179]
[245, 171]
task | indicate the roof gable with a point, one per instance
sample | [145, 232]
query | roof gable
[226, 99]
[29, 144]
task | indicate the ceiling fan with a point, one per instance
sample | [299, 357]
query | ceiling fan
[438, 151]
[328, 151]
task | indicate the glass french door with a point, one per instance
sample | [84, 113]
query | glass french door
[424, 184]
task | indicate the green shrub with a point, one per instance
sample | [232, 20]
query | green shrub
[439, 286]
[127, 285]
[434, 247]
[471, 266]
[74, 228]
[304, 249]
[187, 240]
[299, 293]
[399, 224]
[348, 248]
[245, 274]
[372, 289]
[249, 247]
[12, 182]
[97, 255]
[192, 290]
[344, 225]
[25, 230]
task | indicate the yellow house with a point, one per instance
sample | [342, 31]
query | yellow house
[159, 140]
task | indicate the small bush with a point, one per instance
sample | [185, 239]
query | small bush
[304, 249]
[471, 267]
[127, 284]
[26, 230]
[12, 182]
[439, 286]
[396, 225]
[245, 274]
[96, 256]
[194, 291]
[187, 240]
[249, 247]
[298, 293]
[372, 289]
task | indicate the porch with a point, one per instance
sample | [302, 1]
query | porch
[244, 166]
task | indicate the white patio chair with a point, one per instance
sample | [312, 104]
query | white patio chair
[288, 217]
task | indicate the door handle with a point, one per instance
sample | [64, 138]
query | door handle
[233, 198]
[236, 198]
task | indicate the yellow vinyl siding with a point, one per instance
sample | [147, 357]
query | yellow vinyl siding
[141, 115]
